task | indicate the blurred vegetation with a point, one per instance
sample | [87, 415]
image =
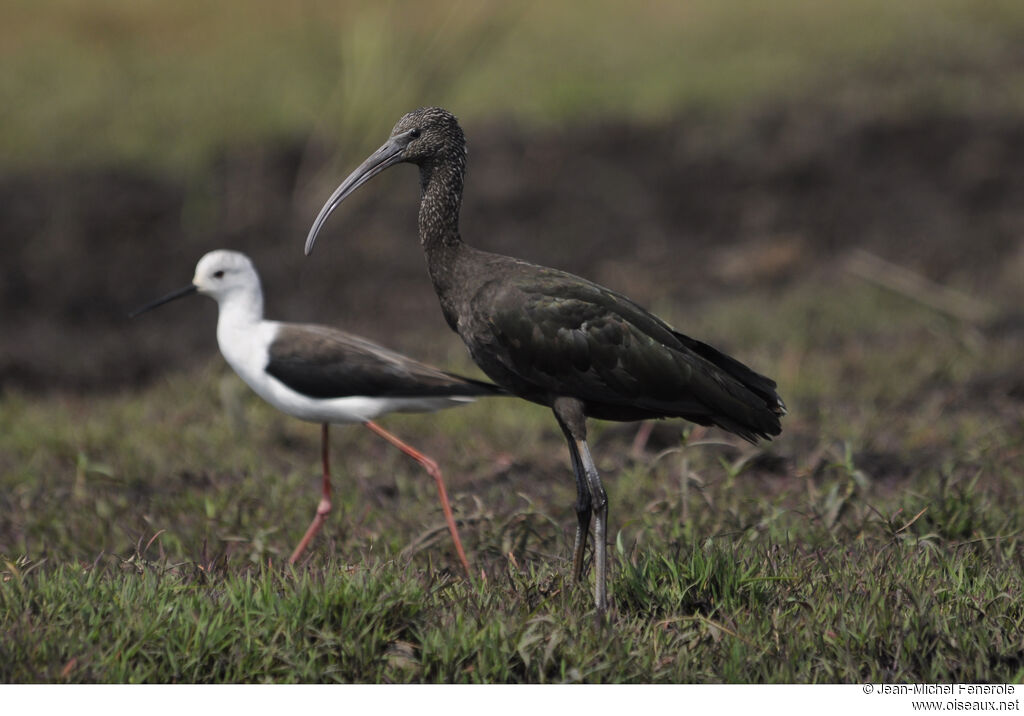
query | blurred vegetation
[173, 83]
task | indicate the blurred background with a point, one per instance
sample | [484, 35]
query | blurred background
[675, 151]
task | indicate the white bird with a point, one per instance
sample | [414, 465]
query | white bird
[320, 374]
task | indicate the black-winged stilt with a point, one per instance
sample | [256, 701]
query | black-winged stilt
[320, 374]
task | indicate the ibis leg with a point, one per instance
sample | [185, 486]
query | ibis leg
[599, 501]
[435, 472]
[324, 508]
[583, 510]
[591, 497]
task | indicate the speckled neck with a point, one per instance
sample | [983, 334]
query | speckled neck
[441, 186]
[441, 183]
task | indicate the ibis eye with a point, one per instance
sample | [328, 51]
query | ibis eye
[218, 274]
[415, 134]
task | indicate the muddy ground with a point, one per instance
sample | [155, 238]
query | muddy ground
[671, 215]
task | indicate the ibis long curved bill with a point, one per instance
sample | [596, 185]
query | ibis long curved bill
[388, 155]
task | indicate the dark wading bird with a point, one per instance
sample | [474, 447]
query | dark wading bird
[557, 339]
[320, 374]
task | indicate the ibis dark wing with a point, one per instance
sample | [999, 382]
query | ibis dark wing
[323, 362]
[563, 335]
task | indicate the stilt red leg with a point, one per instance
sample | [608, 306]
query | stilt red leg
[435, 472]
[324, 508]
[643, 434]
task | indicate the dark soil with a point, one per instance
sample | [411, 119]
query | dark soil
[673, 213]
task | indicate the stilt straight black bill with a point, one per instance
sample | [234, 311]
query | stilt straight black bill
[180, 293]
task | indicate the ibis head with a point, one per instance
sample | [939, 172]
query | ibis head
[427, 137]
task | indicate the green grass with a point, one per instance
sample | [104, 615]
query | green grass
[173, 84]
[712, 612]
[879, 539]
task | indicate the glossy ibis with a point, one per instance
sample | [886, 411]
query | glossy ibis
[320, 374]
[557, 339]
